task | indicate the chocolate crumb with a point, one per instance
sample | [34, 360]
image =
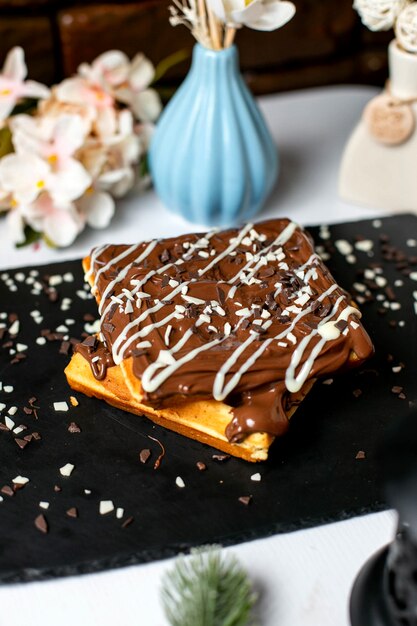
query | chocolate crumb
[201, 466]
[72, 512]
[402, 396]
[57, 488]
[64, 348]
[22, 443]
[41, 523]
[396, 389]
[144, 455]
[7, 490]
[74, 428]
[87, 317]
[246, 500]
[127, 522]
[36, 436]
[360, 455]
[220, 457]
[357, 392]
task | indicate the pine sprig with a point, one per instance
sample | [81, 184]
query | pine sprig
[208, 589]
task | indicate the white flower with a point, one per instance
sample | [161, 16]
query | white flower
[13, 86]
[55, 141]
[97, 207]
[379, 14]
[264, 15]
[23, 176]
[110, 69]
[59, 223]
[135, 92]
[406, 28]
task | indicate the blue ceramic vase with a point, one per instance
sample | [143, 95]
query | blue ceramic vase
[212, 158]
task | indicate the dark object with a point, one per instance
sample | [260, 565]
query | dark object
[385, 592]
[58, 35]
[315, 460]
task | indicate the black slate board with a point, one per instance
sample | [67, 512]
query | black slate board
[312, 476]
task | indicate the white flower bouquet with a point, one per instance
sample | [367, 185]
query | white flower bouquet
[214, 22]
[78, 147]
[401, 15]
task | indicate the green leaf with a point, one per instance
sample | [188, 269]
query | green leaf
[169, 61]
[208, 589]
[144, 166]
[31, 236]
[6, 145]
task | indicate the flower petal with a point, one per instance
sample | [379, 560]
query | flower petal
[33, 89]
[146, 105]
[62, 226]
[7, 105]
[69, 134]
[141, 72]
[14, 65]
[98, 208]
[23, 175]
[112, 66]
[69, 183]
[16, 226]
[275, 14]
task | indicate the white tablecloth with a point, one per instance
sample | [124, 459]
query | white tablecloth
[304, 577]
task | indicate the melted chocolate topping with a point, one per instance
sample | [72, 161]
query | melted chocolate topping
[246, 316]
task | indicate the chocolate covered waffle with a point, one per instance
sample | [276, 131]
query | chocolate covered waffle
[217, 336]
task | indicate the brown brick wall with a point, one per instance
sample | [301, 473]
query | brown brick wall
[323, 44]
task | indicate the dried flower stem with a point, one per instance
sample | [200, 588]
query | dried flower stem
[202, 13]
[229, 36]
[214, 27]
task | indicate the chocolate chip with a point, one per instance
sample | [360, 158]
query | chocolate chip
[41, 523]
[8, 491]
[165, 256]
[396, 389]
[246, 500]
[220, 457]
[341, 325]
[112, 311]
[87, 317]
[74, 428]
[357, 392]
[221, 295]
[22, 443]
[27, 410]
[72, 512]
[57, 488]
[127, 522]
[360, 455]
[201, 466]
[139, 352]
[64, 347]
[266, 273]
[144, 455]
[36, 436]
[90, 342]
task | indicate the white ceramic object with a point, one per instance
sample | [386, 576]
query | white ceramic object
[378, 175]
